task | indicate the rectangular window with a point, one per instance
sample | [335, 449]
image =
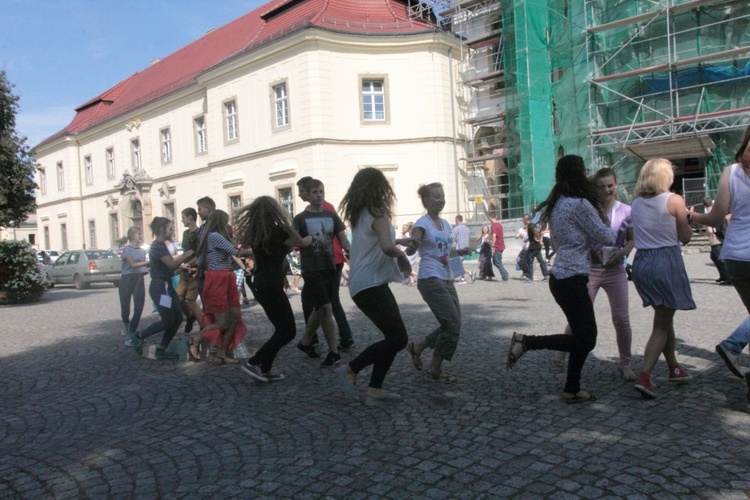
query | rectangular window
[135, 148]
[43, 181]
[281, 105]
[92, 233]
[230, 116]
[166, 146]
[114, 229]
[286, 199]
[46, 238]
[169, 211]
[373, 100]
[201, 145]
[64, 235]
[89, 169]
[110, 153]
[235, 203]
[60, 176]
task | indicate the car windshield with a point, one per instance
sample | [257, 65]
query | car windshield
[100, 254]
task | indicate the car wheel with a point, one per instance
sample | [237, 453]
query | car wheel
[116, 283]
[80, 284]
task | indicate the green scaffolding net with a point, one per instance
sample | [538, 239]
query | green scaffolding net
[575, 68]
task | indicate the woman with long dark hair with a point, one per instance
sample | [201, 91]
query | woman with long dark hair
[162, 267]
[733, 196]
[375, 261]
[573, 211]
[608, 269]
[221, 300]
[660, 224]
[485, 254]
[266, 228]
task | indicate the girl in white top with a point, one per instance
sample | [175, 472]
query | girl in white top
[435, 284]
[660, 224]
[375, 261]
[733, 196]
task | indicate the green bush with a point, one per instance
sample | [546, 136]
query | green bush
[21, 280]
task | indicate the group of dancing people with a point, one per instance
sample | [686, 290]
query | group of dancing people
[592, 234]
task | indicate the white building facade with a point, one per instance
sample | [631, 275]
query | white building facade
[315, 100]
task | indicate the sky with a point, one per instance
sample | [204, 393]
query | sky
[59, 54]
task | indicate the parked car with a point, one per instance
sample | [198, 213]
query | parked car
[83, 267]
[53, 255]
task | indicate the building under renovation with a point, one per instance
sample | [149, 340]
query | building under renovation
[615, 81]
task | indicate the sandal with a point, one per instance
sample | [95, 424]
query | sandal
[414, 356]
[579, 397]
[515, 340]
[440, 377]
[223, 359]
[192, 345]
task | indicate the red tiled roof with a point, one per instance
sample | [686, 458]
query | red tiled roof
[246, 33]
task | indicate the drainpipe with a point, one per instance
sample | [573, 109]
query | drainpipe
[453, 124]
[80, 194]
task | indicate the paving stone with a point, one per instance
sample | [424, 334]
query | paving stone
[98, 421]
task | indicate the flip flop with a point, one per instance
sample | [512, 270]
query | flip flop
[579, 397]
[440, 377]
[414, 356]
[517, 338]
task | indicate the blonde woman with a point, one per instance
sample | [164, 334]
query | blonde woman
[660, 224]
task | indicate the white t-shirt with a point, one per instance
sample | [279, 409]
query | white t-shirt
[368, 265]
[435, 249]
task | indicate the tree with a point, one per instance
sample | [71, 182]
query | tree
[17, 166]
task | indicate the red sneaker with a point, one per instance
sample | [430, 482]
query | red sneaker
[644, 386]
[678, 375]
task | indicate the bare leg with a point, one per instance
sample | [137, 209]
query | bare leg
[659, 339]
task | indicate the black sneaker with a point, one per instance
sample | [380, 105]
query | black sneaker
[332, 359]
[189, 324]
[346, 345]
[309, 350]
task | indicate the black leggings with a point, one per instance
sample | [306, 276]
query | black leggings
[276, 305]
[572, 295]
[380, 306]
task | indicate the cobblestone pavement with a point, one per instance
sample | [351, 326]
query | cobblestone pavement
[83, 416]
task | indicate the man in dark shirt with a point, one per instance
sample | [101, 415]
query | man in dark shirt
[187, 289]
[319, 268]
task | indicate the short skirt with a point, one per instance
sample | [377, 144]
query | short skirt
[661, 280]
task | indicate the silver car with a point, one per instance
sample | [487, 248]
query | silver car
[83, 267]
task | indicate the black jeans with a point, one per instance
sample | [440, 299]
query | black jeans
[715, 252]
[380, 306]
[572, 295]
[739, 272]
[345, 333]
[169, 317]
[276, 305]
[131, 285]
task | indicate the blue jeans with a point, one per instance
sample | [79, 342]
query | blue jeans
[739, 273]
[497, 259]
[131, 285]
[169, 317]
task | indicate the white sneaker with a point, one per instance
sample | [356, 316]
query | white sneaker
[128, 342]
